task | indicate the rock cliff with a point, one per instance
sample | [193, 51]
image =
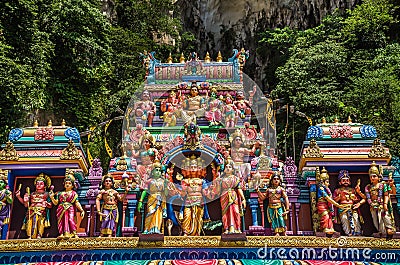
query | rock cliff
[226, 24]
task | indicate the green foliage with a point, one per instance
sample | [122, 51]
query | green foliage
[345, 66]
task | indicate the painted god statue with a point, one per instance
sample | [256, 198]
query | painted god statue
[38, 203]
[6, 199]
[214, 114]
[233, 202]
[194, 105]
[325, 203]
[378, 197]
[243, 106]
[278, 204]
[230, 112]
[168, 107]
[194, 191]
[68, 203]
[352, 199]
[147, 154]
[239, 154]
[156, 189]
[108, 211]
[145, 109]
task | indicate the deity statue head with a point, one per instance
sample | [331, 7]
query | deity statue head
[107, 182]
[229, 99]
[156, 170]
[42, 181]
[344, 178]
[229, 167]
[194, 90]
[147, 141]
[323, 177]
[213, 92]
[237, 139]
[240, 95]
[146, 95]
[375, 173]
[275, 180]
[69, 180]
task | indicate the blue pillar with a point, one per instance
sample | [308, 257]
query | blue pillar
[254, 206]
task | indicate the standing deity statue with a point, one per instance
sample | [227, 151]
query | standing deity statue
[352, 199]
[147, 153]
[325, 203]
[145, 109]
[67, 201]
[378, 197]
[5, 199]
[156, 188]
[278, 204]
[214, 114]
[109, 209]
[194, 191]
[38, 203]
[239, 154]
[230, 112]
[243, 106]
[233, 202]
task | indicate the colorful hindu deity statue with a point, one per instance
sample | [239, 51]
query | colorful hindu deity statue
[147, 153]
[156, 188]
[278, 204]
[68, 203]
[242, 105]
[194, 105]
[325, 202]
[38, 203]
[233, 202]
[230, 112]
[378, 197]
[168, 107]
[239, 155]
[6, 199]
[109, 208]
[145, 109]
[192, 135]
[352, 199]
[214, 114]
[194, 191]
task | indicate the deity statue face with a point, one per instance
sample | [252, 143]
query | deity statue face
[156, 172]
[146, 95]
[68, 185]
[276, 181]
[3, 184]
[108, 183]
[374, 178]
[345, 181]
[194, 91]
[40, 185]
[146, 144]
[229, 100]
[326, 182]
[237, 142]
[239, 95]
[228, 169]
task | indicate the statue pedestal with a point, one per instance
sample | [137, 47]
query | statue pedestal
[234, 237]
[151, 237]
[256, 230]
[129, 231]
[323, 234]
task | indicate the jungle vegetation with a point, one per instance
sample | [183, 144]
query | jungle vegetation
[67, 59]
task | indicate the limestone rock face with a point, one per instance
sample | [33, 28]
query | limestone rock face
[226, 24]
